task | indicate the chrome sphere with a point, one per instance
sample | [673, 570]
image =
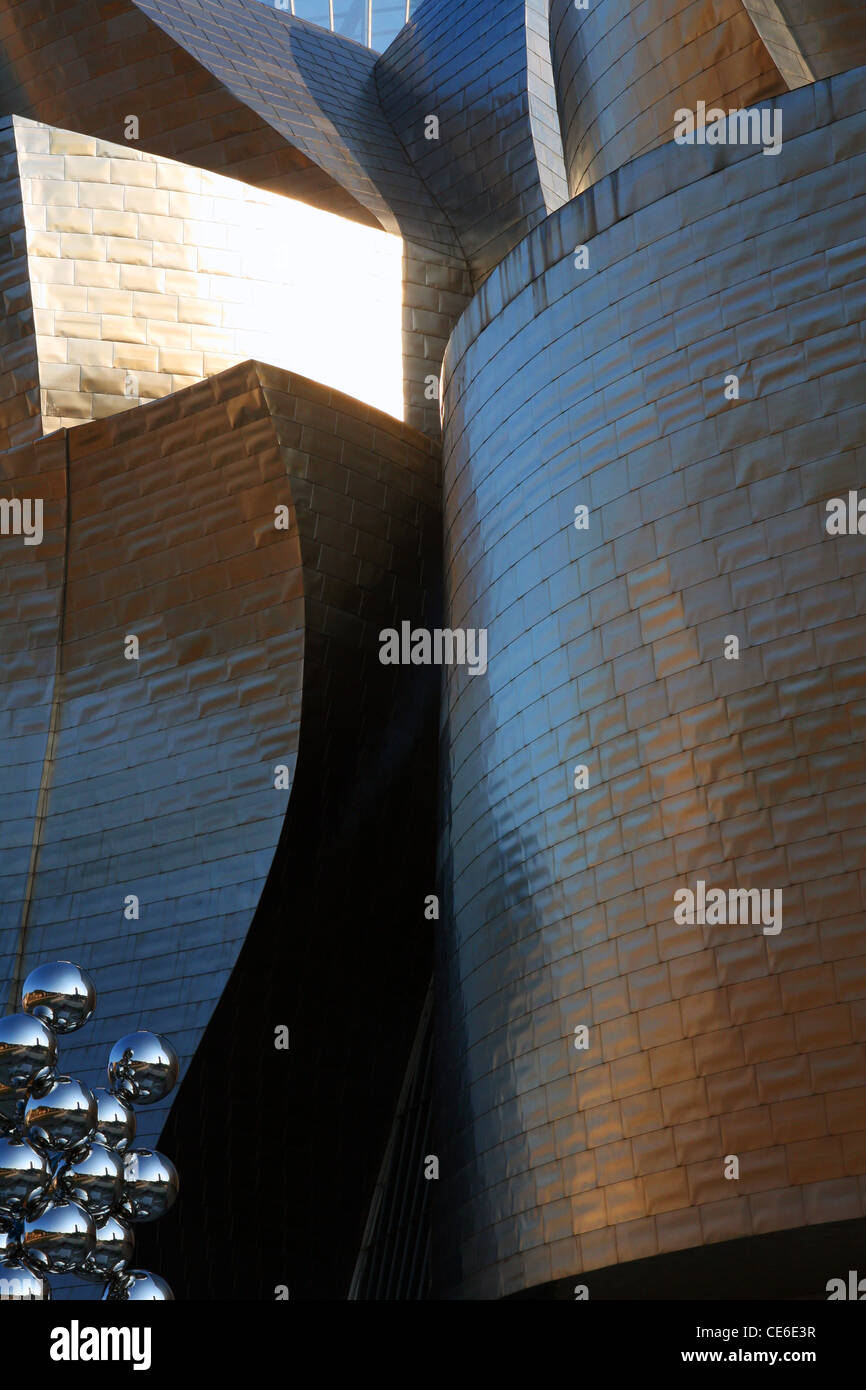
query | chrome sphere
[114, 1248]
[20, 1284]
[28, 1051]
[150, 1185]
[61, 994]
[115, 1120]
[10, 1240]
[93, 1177]
[24, 1176]
[142, 1068]
[137, 1286]
[60, 1115]
[59, 1238]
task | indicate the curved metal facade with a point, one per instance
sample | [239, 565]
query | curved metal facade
[810, 39]
[605, 387]
[494, 161]
[338, 950]
[155, 777]
[647, 404]
[152, 781]
[623, 70]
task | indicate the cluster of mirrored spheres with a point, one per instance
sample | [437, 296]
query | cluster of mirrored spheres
[71, 1184]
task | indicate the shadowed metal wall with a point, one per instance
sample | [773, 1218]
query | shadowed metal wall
[606, 387]
[115, 62]
[259, 649]
[495, 165]
[319, 91]
[622, 70]
[339, 950]
[810, 39]
[159, 781]
[32, 581]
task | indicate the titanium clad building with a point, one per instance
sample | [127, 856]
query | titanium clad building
[545, 323]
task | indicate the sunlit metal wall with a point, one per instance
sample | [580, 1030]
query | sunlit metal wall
[809, 39]
[604, 385]
[147, 275]
[622, 71]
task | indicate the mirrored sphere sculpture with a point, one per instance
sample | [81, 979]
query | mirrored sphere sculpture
[24, 1175]
[142, 1068]
[60, 1115]
[70, 1184]
[28, 1051]
[112, 1252]
[93, 1177]
[61, 994]
[150, 1184]
[115, 1120]
[57, 1240]
[137, 1286]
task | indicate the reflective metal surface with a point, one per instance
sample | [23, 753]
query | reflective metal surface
[150, 1185]
[58, 1238]
[197, 736]
[113, 1248]
[61, 994]
[60, 1114]
[28, 1051]
[810, 39]
[10, 1240]
[622, 72]
[60, 1179]
[495, 162]
[246, 91]
[146, 275]
[359, 823]
[24, 1176]
[606, 387]
[115, 1120]
[93, 1177]
[137, 1286]
[142, 1068]
[189, 113]
[180, 815]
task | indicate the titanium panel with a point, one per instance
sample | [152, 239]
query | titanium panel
[31, 613]
[339, 950]
[148, 275]
[116, 62]
[496, 165]
[606, 387]
[810, 39]
[622, 71]
[160, 780]
[318, 90]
